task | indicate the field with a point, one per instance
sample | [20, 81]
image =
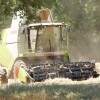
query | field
[56, 89]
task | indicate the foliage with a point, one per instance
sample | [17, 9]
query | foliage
[75, 12]
[84, 19]
[9, 7]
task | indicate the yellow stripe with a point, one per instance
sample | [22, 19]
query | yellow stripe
[22, 75]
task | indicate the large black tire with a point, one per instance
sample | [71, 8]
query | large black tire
[17, 65]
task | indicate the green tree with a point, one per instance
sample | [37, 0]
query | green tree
[29, 7]
[84, 19]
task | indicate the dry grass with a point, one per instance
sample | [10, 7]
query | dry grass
[66, 81]
[51, 92]
[56, 89]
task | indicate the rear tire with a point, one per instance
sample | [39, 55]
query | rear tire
[3, 77]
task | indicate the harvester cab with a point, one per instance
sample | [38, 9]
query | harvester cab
[38, 51]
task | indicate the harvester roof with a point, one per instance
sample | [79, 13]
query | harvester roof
[46, 24]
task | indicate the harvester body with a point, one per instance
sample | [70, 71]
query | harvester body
[38, 51]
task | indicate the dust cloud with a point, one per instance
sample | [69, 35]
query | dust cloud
[85, 47]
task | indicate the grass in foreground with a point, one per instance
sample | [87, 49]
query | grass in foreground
[51, 92]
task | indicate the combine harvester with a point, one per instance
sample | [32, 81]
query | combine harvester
[38, 51]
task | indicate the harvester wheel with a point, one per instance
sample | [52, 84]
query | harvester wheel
[3, 77]
[18, 64]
